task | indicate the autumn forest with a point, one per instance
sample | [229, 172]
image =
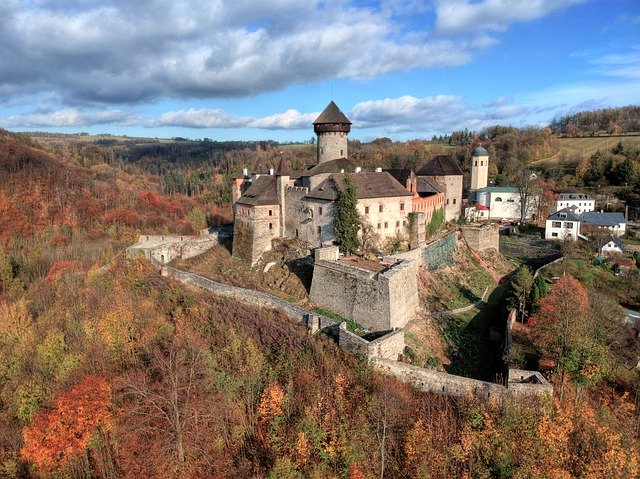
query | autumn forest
[109, 370]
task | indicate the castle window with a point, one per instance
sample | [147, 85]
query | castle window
[476, 163]
[481, 163]
[319, 229]
[401, 206]
[270, 226]
[378, 225]
[366, 210]
[447, 200]
[381, 208]
[319, 210]
[386, 225]
[341, 153]
[398, 224]
[454, 201]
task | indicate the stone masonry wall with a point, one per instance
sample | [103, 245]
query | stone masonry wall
[480, 238]
[377, 301]
[450, 385]
[381, 352]
[434, 255]
[331, 146]
[165, 248]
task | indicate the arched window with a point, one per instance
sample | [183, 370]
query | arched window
[498, 198]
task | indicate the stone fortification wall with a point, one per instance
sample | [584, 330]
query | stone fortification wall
[440, 383]
[328, 253]
[293, 211]
[525, 384]
[383, 351]
[434, 255]
[378, 301]
[482, 237]
[390, 346]
[533, 385]
[253, 229]
[165, 248]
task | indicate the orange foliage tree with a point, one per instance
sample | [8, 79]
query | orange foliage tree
[63, 433]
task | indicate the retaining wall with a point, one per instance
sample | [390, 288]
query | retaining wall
[434, 255]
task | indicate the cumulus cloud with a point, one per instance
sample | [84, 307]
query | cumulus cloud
[465, 16]
[215, 118]
[116, 51]
[437, 114]
[71, 117]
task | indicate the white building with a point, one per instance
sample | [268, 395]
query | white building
[562, 225]
[614, 222]
[613, 246]
[578, 203]
[479, 168]
[504, 203]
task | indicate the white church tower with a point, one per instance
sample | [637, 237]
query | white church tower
[332, 128]
[479, 168]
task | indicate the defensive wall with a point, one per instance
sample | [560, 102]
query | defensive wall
[165, 248]
[377, 300]
[521, 384]
[383, 351]
[482, 237]
[434, 255]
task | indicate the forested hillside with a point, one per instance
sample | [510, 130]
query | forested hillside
[108, 370]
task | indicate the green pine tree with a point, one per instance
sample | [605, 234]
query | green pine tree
[347, 223]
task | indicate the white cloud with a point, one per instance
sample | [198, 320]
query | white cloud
[120, 51]
[465, 16]
[198, 118]
[71, 117]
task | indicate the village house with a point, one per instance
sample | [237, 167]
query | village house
[577, 202]
[614, 222]
[612, 247]
[562, 225]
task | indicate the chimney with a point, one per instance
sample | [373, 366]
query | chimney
[358, 169]
[271, 171]
[245, 172]
[378, 170]
[601, 210]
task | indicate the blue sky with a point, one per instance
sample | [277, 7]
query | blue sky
[248, 69]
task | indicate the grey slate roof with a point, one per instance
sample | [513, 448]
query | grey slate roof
[573, 196]
[441, 165]
[367, 185]
[618, 243]
[332, 114]
[332, 166]
[263, 191]
[603, 219]
[564, 215]
[427, 185]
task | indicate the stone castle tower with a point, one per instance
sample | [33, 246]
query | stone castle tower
[332, 128]
[479, 168]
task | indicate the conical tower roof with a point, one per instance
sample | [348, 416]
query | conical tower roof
[332, 115]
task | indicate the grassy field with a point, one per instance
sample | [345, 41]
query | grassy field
[571, 148]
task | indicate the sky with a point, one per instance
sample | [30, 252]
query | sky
[257, 69]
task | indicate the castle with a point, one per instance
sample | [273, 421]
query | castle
[303, 204]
